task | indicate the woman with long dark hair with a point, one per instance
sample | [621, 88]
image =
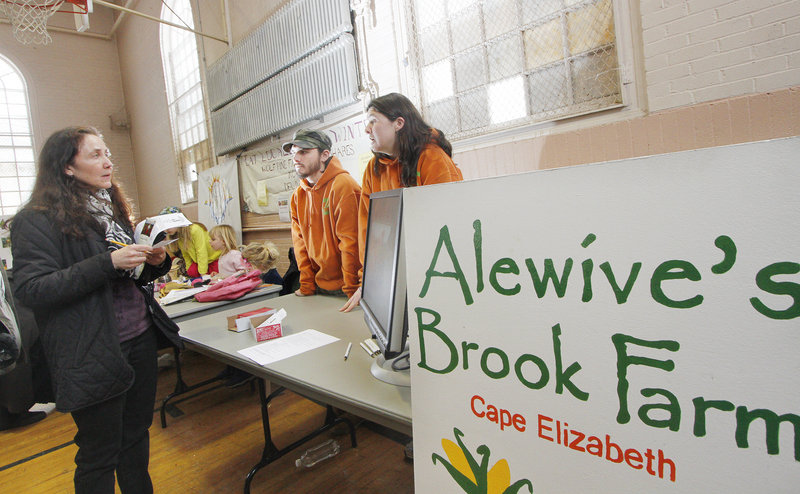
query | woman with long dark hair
[407, 152]
[77, 267]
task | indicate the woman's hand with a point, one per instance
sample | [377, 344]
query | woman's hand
[131, 256]
[353, 302]
[156, 256]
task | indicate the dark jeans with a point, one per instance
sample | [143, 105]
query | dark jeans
[113, 435]
[336, 293]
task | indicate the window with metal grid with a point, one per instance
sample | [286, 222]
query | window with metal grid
[17, 165]
[187, 108]
[486, 65]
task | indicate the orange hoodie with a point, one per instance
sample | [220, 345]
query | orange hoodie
[433, 167]
[325, 231]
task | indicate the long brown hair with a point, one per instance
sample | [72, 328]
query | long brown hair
[63, 197]
[411, 138]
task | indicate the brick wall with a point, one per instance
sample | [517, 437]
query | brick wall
[703, 50]
[752, 117]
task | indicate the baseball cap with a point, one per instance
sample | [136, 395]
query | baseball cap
[309, 139]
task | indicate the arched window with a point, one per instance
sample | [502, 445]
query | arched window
[17, 164]
[181, 61]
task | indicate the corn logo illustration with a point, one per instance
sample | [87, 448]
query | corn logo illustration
[477, 478]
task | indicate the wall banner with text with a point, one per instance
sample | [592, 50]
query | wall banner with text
[268, 175]
[624, 327]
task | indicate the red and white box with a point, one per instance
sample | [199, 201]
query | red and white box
[264, 333]
[269, 328]
[241, 322]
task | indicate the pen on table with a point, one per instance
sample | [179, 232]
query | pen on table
[347, 352]
[369, 352]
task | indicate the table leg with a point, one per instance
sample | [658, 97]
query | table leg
[271, 452]
[181, 387]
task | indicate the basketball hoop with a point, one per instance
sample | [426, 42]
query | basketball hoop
[29, 18]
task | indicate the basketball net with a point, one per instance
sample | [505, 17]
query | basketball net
[29, 19]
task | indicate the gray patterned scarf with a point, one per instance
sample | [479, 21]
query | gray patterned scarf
[100, 207]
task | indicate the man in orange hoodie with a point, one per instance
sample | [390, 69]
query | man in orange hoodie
[324, 217]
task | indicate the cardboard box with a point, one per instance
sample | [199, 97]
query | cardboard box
[266, 332]
[264, 311]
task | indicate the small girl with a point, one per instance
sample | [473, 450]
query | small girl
[194, 246]
[230, 262]
[264, 256]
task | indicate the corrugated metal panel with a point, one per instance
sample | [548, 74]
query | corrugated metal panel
[323, 82]
[298, 28]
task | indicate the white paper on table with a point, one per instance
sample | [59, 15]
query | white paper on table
[180, 294]
[287, 346]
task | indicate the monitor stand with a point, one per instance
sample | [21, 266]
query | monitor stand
[382, 370]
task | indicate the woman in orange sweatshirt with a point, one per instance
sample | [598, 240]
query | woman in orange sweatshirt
[406, 152]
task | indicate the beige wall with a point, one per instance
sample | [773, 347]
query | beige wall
[75, 80]
[146, 98]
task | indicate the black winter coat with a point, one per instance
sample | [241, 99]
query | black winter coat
[67, 284]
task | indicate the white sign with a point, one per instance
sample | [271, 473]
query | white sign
[628, 327]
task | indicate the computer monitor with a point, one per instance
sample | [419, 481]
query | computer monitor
[383, 287]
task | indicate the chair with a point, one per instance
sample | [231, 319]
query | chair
[291, 280]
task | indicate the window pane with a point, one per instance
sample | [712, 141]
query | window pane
[590, 27]
[466, 29]
[182, 76]
[474, 109]
[10, 199]
[24, 154]
[500, 17]
[444, 116]
[454, 6]
[26, 169]
[484, 65]
[549, 92]
[19, 125]
[507, 100]
[435, 44]
[22, 140]
[9, 184]
[26, 184]
[470, 70]
[505, 57]
[430, 12]
[437, 81]
[16, 151]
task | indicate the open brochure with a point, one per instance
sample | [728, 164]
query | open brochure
[147, 231]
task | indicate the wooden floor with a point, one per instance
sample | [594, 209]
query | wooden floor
[212, 446]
